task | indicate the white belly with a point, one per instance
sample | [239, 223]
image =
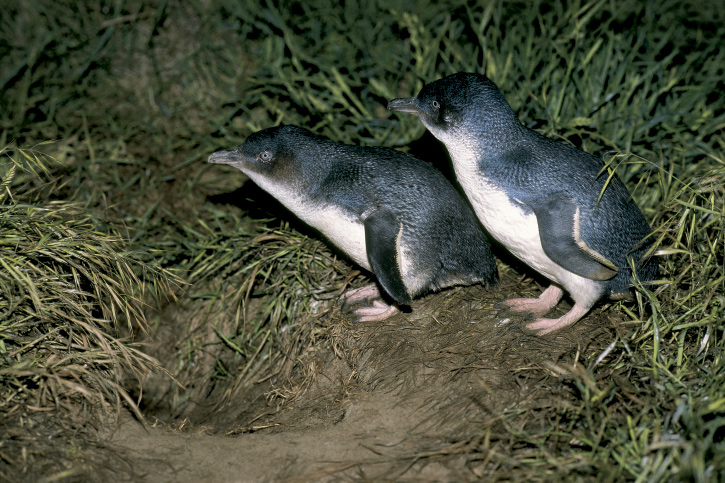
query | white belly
[506, 221]
[509, 224]
[518, 231]
[344, 231]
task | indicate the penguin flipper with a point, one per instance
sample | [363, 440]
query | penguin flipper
[382, 232]
[559, 230]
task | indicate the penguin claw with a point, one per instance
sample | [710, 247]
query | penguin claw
[527, 306]
[377, 313]
[505, 312]
[359, 294]
[546, 326]
[541, 305]
[379, 310]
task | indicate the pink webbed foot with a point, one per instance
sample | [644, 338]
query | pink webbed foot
[356, 295]
[546, 326]
[377, 313]
[545, 302]
[379, 310]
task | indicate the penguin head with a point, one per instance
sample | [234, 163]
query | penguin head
[272, 154]
[462, 105]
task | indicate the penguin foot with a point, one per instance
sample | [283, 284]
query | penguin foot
[545, 302]
[377, 313]
[360, 294]
[545, 326]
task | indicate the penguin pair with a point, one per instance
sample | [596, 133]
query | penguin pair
[391, 213]
[399, 218]
[548, 203]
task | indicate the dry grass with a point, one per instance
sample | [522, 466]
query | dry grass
[66, 289]
[136, 97]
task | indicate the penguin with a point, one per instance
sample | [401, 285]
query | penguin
[551, 205]
[389, 212]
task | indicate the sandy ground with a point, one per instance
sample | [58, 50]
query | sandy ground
[370, 425]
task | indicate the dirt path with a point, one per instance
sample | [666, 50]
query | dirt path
[371, 425]
[402, 400]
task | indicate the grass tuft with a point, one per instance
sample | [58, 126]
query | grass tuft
[66, 288]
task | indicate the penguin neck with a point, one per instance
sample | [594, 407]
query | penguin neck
[484, 140]
[319, 160]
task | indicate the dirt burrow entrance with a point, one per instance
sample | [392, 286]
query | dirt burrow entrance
[400, 400]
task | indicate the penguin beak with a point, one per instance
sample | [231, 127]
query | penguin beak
[409, 104]
[225, 157]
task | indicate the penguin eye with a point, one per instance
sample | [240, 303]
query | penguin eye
[265, 156]
[435, 104]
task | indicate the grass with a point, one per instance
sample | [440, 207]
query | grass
[66, 289]
[135, 97]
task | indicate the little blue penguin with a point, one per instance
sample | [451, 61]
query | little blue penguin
[551, 205]
[391, 213]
